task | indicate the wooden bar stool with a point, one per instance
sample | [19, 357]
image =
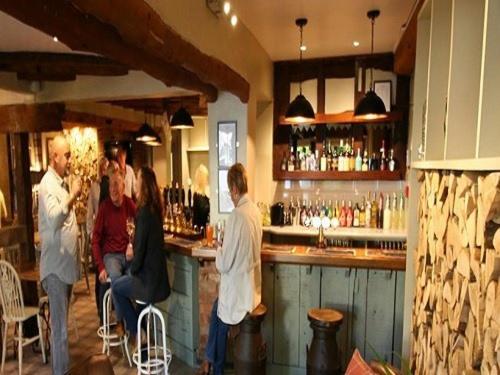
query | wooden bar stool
[323, 355]
[250, 348]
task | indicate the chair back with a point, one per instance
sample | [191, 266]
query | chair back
[11, 295]
[12, 240]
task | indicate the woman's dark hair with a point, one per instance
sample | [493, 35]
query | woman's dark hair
[150, 195]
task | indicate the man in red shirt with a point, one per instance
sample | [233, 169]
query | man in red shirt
[110, 240]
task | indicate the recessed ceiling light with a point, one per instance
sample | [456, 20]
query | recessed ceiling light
[303, 47]
[355, 43]
[227, 7]
[234, 20]
[55, 39]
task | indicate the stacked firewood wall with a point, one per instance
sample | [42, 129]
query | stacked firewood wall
[456, 311]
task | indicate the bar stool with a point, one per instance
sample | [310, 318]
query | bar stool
[323, 355]
[157, 356]
[250, 348]
[106, 331]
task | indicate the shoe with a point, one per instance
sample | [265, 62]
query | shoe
[120, 329]
[204, 368]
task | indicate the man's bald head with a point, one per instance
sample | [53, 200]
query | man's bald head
[60, 155]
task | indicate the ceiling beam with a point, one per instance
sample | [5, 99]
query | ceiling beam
[20, 118]
[406, 51]
[195, 105]
[139, 24]
[83, 32]
[72, 118]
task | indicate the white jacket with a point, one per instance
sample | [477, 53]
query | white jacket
[238, 262]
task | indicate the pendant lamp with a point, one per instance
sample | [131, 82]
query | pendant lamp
[146, 133]
[181, 120]
[371, 107]
[156, 142]
[300, 111]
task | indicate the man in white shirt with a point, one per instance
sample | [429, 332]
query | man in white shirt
[128, 172]
[58, 235]
[238, 262]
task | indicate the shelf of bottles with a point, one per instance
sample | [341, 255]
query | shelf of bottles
[178, 217]
[387, 212]
[338, 153]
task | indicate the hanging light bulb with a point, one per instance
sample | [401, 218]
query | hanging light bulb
[300, 111]
[371, 106]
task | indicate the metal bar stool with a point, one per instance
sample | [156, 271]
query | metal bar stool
[106, 331]
[155, 358]
[323, 354]
[250, 348]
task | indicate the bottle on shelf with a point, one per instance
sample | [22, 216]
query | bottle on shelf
[343, 215]
[358, 162]
[362, 213]
[364, 166]
[373, 163]
[291, 162]
[349, 215]
[341, 158]
[394, 212]
[352, 157]
[382, 162]
[356, 216]
[374, 212]
[368, 212]
[303, 213]
[322, 162]
[335, 160]
[329, 158]
[387, 217]
[402, 212]
[303, 166]
[392, 162]
[329, 209]
[380, 212]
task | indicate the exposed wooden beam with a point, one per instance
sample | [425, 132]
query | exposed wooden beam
[83, 32]
[195, 105]
[72, 118]
[404, 57]
[20, 118]
[139, 24]
[46, 66]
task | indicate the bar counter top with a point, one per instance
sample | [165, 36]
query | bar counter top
[303, 255]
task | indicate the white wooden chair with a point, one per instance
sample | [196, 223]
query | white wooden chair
[15, 312]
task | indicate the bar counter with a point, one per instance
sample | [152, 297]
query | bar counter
[302, 255]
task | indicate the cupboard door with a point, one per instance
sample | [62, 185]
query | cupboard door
[380, 297]
[398, 319]
[358, 311]
[286, 318]
[336, 293]
[267, 299]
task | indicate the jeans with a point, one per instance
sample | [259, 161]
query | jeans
[215, 351]
[122, 294]
[115, 265]
[59, 295]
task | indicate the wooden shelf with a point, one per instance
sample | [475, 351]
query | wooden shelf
[347, 118]
[336, 175]
[480, 164]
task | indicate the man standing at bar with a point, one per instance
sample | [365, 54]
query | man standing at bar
[238, 262]
[128, 173]
[58, 236]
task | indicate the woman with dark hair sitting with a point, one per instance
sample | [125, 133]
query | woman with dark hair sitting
[148, 278]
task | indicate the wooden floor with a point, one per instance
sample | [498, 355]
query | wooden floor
[80, 348]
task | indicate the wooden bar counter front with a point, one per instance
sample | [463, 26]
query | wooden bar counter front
[367, 285]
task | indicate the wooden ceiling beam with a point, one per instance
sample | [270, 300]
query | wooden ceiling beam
[83, 32]
[139, 24]
[195, 105]
[20, 118]
[72, 118]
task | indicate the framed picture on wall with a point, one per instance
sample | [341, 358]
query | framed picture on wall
[226, 143]
[384, 90]
[46, 156]
[225, 203]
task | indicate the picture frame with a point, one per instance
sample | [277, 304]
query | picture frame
[226, 143]
[46, 153]
[224, 198]
[384, 90]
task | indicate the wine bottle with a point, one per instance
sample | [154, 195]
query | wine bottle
[343, 215]
[356, 216]
[362, 213]
[382, 162]
[380, 212]
[352, 157]
[368, 212]
[387, 217]
[358, 163]
[364, 166]
[349, 215]
[392, 162]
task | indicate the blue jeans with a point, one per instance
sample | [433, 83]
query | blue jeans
[59, 294]
[122, 294]
[215, 351]
[115, 265]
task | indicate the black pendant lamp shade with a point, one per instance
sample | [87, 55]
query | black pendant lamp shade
[146, 133]
[181, 120]
[371, 106]
[300, 111]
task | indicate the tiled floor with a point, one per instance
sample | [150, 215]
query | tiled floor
[80, 348]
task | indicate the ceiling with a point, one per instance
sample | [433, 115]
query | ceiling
[333, 25]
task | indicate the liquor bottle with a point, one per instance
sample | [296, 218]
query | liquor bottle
[373, 163]
[297, 160]
[303, 166]
[380, 212]
[322, 162]
[394, 212]
[303, 213]
[392, 162]
[291, 162]
[352, 157]
[387, 213]
[350, 215]
[402, 212]
[374, 212]
[329, 158]
[341, 156]
[343, 215]
[382, 163]
[358, 163]
[362, 213]
[364, 166]
[368, 212]
[335, 160]
[356, 216]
